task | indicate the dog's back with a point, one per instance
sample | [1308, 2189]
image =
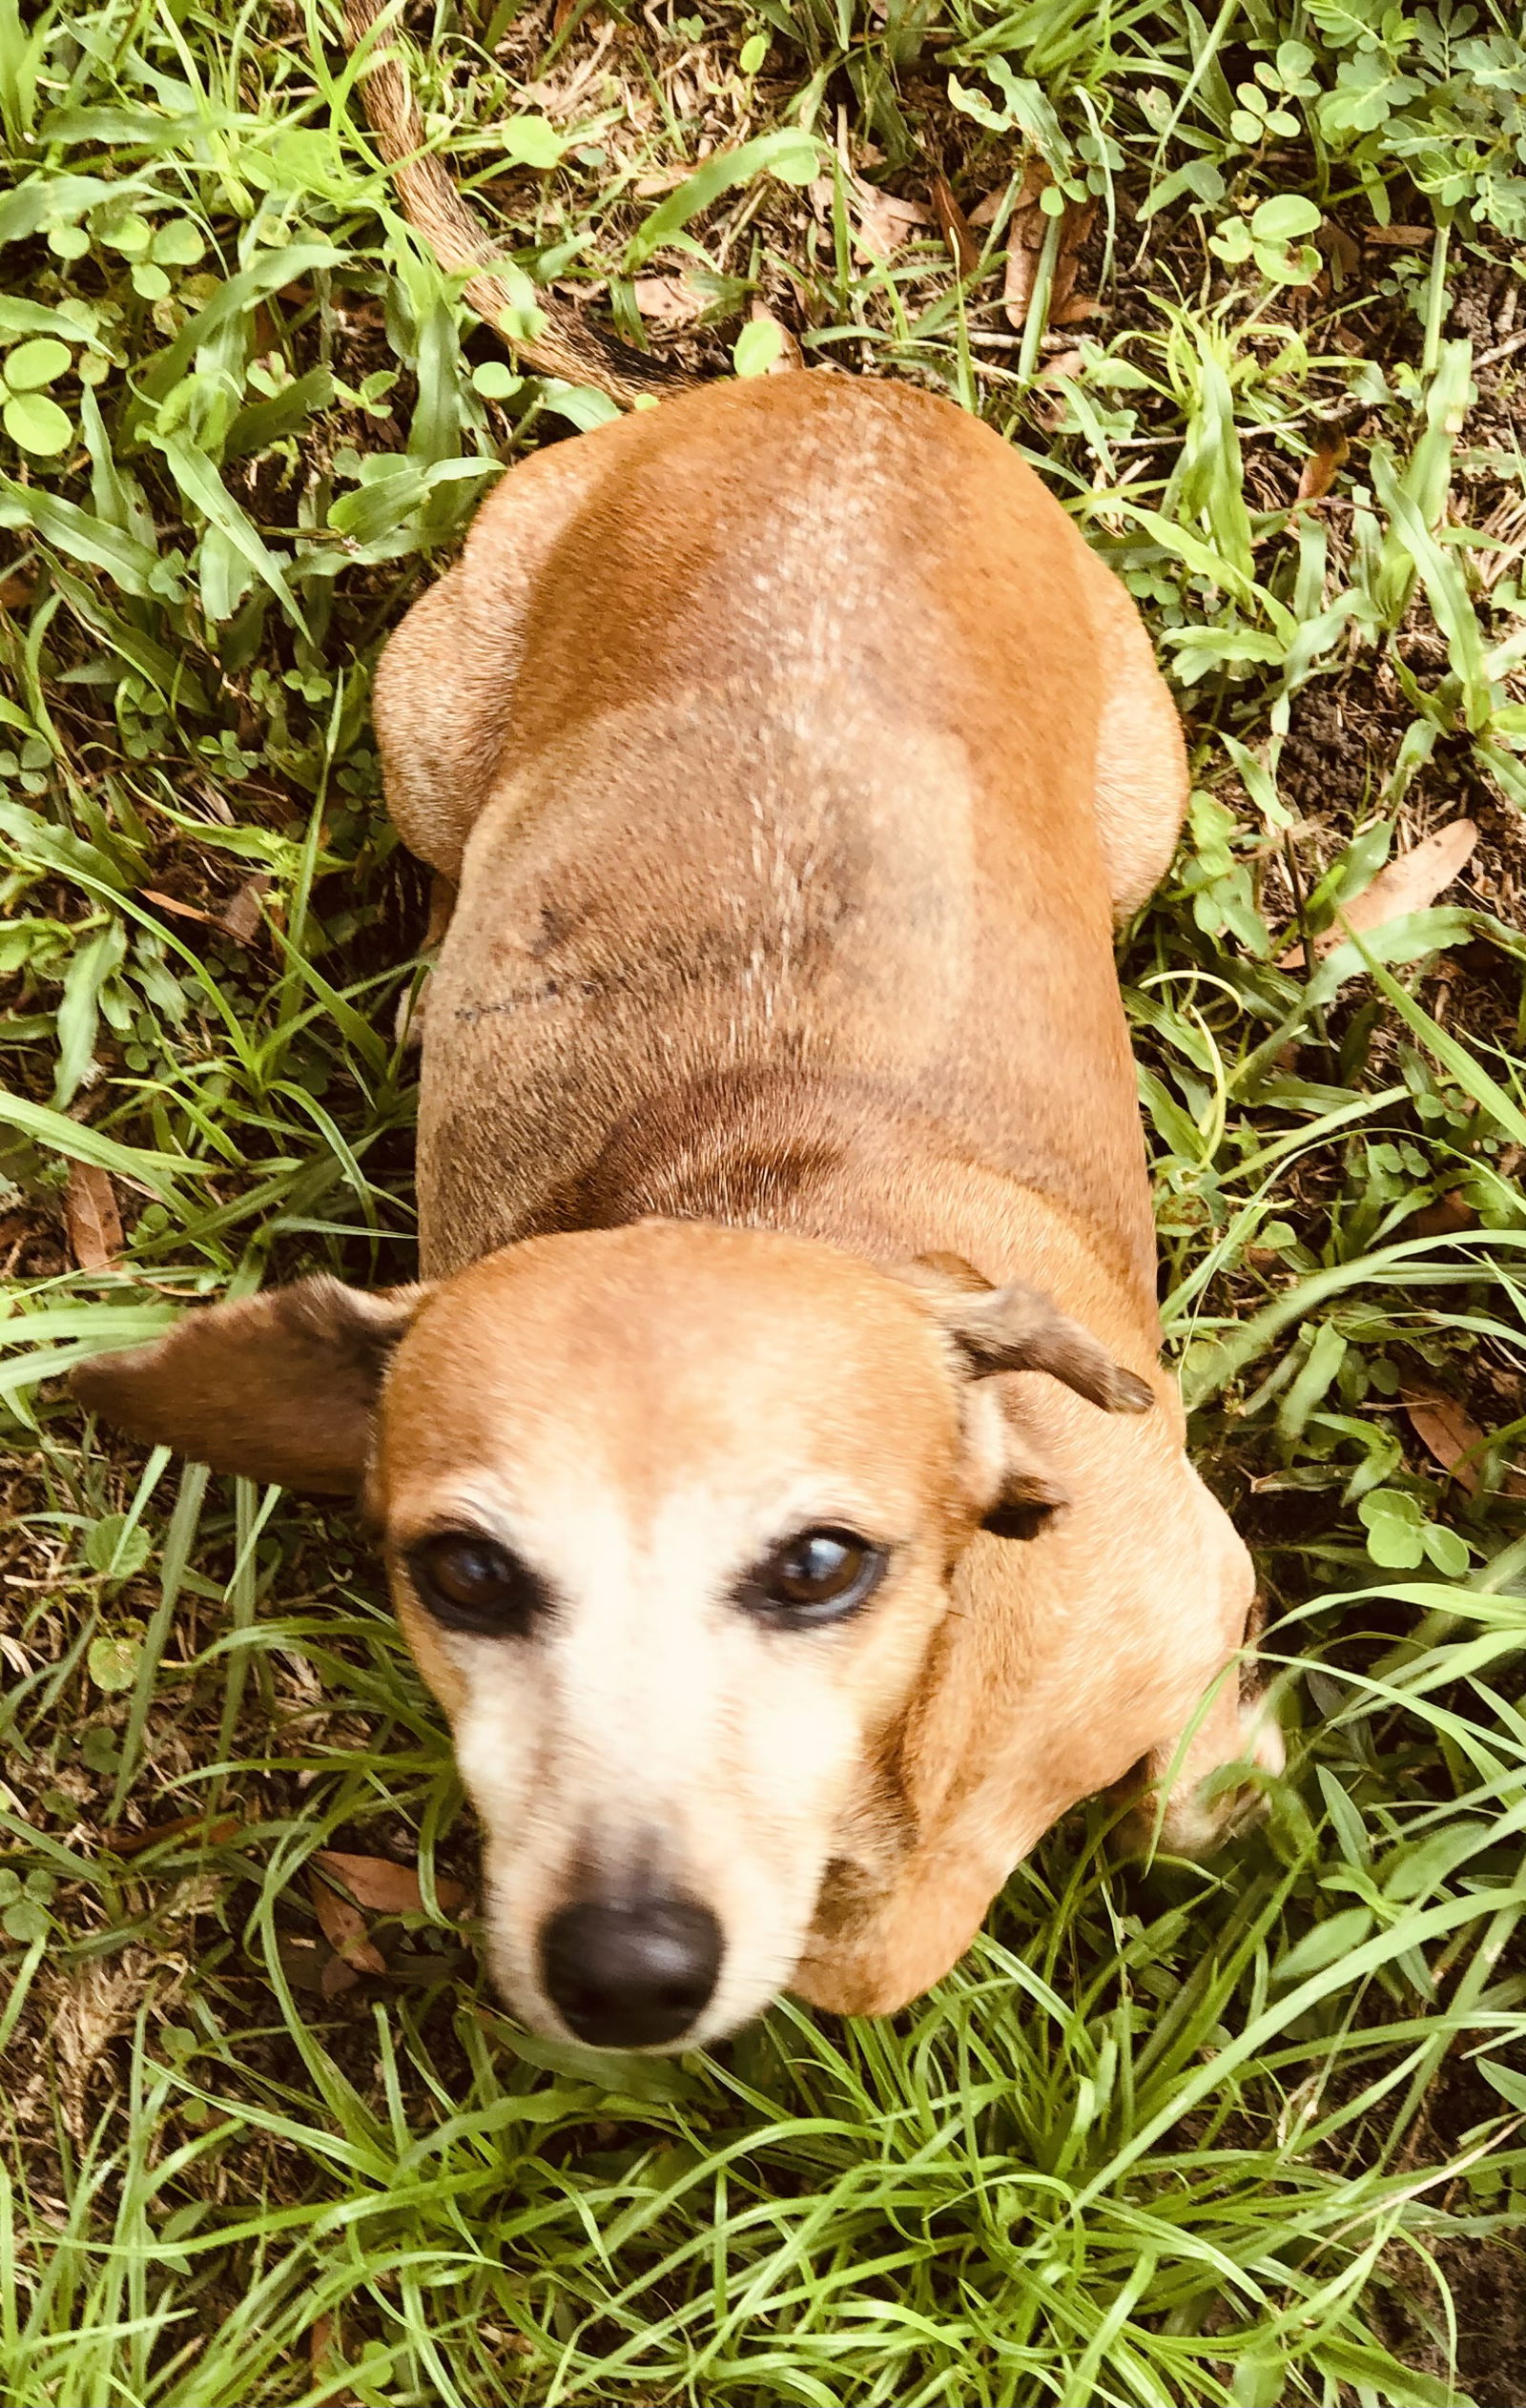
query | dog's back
[773, 719]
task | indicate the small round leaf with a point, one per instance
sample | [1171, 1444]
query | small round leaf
[1283, 218]
[176, 244]
[756, 347]
[114, 1662]
[495, 380]
[26, 1921]
[36, 363]
[108, 1549]
[530, 141]
[36, 424]
[1446, 1550]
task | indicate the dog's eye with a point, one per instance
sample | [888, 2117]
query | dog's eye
[815, 1577]
[471, 1583]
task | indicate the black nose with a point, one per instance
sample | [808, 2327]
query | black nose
[631, 1973]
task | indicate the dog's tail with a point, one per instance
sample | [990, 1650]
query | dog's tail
[567, 344]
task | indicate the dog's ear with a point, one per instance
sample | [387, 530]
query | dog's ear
[281, 1387]
[1015, 1329]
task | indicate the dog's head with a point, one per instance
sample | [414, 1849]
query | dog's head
[669, 1514]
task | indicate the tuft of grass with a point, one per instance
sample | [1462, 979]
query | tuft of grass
[1247, 2134]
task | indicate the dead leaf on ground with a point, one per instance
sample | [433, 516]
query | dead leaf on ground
[1318, 472]
[309, 1966]
[240, 916]
[1452, 1439]
[668, 301]
[789, 355]
[1449, 1435]
[1048, 401]
[954, 226]
[94, 1224]
[1449, 1214]
[883, 221]
[325, 2356]
[650, 187]
[94, 2002]
[1409, 884]
[214, 1834]
[1027, 230]
[384, 1887]
[1343, 252]
[172, 903]
[343, 1926]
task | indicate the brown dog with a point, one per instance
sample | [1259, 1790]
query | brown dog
[783, 1576]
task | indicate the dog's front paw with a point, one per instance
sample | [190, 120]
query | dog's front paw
[1203, 1810]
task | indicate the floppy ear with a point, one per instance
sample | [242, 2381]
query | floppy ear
[281, 1387]
[1015, 1329]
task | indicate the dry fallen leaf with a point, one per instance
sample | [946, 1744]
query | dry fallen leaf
[308, 1966]
[343, 1927]
[1449, 1214]
[1410, 883]
[1049, 402]
[240, 916]
[94, 1224]
[954, 226]
[884, 221]
[386, 1888]
[214, 1834]
[1343, 252]
[668, 301]
[1027, 229]
[1448, 1435]
[172, 903]
[650, 187]
[1318, 471]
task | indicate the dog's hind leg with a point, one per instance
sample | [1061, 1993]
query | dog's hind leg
[444, 700]
[1141, 778]
[407, 1027]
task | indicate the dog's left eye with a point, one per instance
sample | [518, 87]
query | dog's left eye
[470, 1583]
[815, 1577]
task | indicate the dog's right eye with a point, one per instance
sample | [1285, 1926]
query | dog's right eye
[818, 1576]
[470, 1583]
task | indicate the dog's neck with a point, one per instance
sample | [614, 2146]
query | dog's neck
[735, 1146]
[836, 1157]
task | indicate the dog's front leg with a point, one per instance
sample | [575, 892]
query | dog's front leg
[877, 1960]
[1179, 1805]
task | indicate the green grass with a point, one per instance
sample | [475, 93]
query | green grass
[1251, 2133]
